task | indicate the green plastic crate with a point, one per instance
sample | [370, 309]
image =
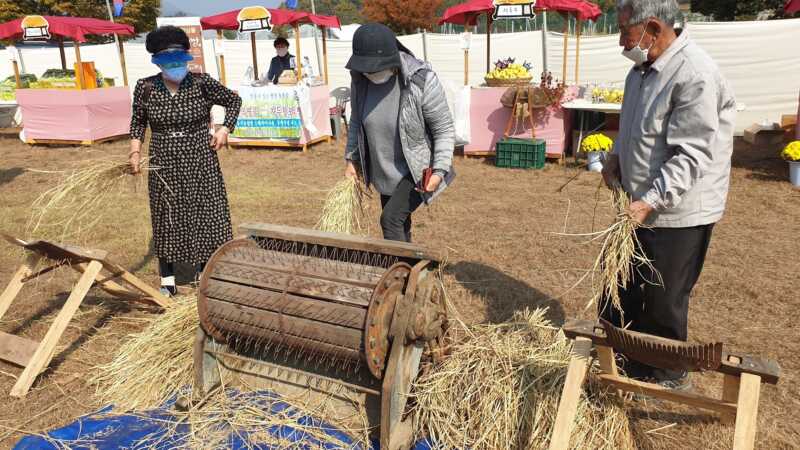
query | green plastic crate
[520, 153]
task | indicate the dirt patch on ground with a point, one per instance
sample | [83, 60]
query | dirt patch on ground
[500, 229]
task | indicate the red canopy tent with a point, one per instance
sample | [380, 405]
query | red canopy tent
[791, 6]
[75, 28]
[230, 21]
[467, 14]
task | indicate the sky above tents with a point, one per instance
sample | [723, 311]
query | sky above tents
[209, 7]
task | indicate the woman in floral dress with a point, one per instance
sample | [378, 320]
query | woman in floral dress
[188, 203]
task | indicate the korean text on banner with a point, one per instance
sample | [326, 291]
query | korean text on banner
[269, 112]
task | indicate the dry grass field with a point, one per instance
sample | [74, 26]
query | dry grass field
[501, 230]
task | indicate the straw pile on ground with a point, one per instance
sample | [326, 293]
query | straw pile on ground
[78, 200]
[500, 387]
[152, 366]
[344, 208]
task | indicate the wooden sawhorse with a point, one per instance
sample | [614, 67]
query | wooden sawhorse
[35, 356]
[743, 376]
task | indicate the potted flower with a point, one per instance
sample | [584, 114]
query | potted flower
[596, 146]
[791, 153]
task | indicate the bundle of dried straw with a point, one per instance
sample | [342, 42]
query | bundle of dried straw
[620, 254]
[77, 202]
[500, 387]
[344, 208]
[152, 366]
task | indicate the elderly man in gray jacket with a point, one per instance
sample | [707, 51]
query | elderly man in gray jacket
[673, 157]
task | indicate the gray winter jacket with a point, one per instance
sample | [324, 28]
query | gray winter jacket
[427, 133]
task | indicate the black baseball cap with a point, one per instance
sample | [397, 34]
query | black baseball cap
[375, 48]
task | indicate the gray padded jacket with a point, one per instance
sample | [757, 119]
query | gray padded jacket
[427, 133]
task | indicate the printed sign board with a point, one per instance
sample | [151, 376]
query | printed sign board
[35, 28]
[269, 112]
[514, 9]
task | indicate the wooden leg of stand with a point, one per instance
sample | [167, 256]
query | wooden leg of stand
[44, 353]
[16, 283]
[747, 412]
[568, 406]
[730, 393]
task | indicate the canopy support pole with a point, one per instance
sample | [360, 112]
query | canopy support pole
[566, 45]
[63, 54]
[488, 42]
[544, 41]
[122, 63]
[578, 24]
[466, 67]
[221, 60]
[299, 56]
[325, 52]
[16, 74]
[78, 66]
[255, 55]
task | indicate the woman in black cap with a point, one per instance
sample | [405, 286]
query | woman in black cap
[188, 204]
[283, 61]
[401, 135]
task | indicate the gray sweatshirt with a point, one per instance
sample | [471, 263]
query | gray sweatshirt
[387, 164]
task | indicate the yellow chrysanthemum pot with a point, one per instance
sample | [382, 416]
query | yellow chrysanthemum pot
[791, 153]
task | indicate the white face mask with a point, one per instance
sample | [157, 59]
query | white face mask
[637, 54]
[282, 52]
[380, 77]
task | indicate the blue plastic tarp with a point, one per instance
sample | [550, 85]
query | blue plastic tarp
[105, 430]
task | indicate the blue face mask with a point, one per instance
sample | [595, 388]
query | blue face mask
[175, 72]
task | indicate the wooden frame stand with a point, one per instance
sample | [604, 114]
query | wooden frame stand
[738, 404]
[34, 356]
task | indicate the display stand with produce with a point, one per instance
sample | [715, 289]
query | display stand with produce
[295, 113]
[529, 105]
[68, 106]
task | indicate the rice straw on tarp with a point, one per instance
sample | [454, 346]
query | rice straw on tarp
[152, 366]
[256, 419]
[344, 209]
[500, 387]
[76, 203]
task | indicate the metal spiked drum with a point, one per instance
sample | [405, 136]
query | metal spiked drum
[301, 309]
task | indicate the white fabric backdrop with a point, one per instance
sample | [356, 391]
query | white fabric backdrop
[760, 60]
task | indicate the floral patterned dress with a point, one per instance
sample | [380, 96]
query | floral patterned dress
[188, 203]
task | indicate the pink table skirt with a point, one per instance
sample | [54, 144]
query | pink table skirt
[488, 119]
[75, 115]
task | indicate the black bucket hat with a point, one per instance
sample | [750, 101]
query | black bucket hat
[375, 48]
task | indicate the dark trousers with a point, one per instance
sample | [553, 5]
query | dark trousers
[397, 209]
[678, 255]
[167, 269]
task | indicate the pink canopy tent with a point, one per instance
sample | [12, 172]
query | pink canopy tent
[791, 6]
[467, 14]
[230, 21]
[59, 27]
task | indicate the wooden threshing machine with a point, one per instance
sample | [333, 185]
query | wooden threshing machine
[301, 311]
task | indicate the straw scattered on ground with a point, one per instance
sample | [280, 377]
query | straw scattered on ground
[76, 203]
[152, 366]
[344, 208]
[500, 387]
